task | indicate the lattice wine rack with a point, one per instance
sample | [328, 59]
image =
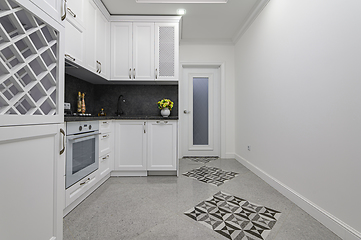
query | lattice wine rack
[28, 62]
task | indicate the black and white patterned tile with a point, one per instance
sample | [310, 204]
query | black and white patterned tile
[202, 159]
[235, 218]
[212, 175]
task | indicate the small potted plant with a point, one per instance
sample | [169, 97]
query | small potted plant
[165, 106]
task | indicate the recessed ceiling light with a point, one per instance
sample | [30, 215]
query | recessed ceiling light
[181, 1]
[181, 11]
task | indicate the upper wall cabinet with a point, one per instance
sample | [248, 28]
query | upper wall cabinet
[144, 51]
[97, 41]
[132, 51]
[54, 8]
[166, 51]
[75, 31]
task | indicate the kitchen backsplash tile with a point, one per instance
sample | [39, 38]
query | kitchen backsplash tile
[139, 99]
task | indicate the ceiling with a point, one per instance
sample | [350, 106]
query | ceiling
[203, 23]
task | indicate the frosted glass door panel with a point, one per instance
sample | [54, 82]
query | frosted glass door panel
[200, 111]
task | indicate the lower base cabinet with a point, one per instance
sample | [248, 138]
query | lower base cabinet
[142, 146]
[162, 146]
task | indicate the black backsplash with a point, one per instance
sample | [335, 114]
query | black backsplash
[140, 100]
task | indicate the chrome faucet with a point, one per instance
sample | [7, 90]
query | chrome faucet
[119, 111]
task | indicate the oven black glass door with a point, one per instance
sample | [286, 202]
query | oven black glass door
[82, 157]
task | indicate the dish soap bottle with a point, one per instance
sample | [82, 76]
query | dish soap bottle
[102, 113]
[83, 103]
[79, 102]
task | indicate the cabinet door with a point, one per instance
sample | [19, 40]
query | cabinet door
[130, 145]
[32, 65]
[162, 145]
[74, 42]
[121, 50]
[53, 8]
[104, 165]
[166, 51]
[91, 37]
[31, 182]
[102, 45]
[143, 51]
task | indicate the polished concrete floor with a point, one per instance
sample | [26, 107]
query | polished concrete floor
[147, 208]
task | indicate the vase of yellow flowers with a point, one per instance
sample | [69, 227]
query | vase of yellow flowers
[165, 106]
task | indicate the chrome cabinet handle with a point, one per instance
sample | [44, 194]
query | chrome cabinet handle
[134, 73]
[186, 112]
[165, 122]
[71, 58]
[63, 11]
[105, 136]
[100, 64]
[62, 150]
[156, 73]
[86, 181]
[97, 66]
[106, 157]
[130, 73]
[71, 12]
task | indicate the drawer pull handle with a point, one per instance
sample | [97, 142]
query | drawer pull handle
[71, 12]
[106, 157]
[85, 181]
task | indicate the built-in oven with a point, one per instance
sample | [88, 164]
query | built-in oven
[82, 156]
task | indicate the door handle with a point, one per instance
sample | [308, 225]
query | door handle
[130, 73]
[134, 73]
[62, 132]
[63, 10]
[71, 12]
[186, 112]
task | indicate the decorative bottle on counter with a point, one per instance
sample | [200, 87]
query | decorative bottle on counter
[83, 103]
[79, 102]
[102, 113]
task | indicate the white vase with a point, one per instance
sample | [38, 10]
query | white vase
[165, 112]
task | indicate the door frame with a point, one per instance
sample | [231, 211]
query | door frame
[222, 67]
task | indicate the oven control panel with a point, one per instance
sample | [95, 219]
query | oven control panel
[81, 127]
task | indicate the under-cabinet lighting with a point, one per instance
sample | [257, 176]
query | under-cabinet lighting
[181, 1]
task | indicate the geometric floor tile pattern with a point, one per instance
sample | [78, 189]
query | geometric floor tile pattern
[212, 175]
[234, 217]
[202, 159]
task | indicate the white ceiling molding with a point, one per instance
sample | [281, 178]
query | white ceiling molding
[181, 1]
[250, 18]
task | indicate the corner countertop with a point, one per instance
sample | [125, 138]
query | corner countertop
[96, 118]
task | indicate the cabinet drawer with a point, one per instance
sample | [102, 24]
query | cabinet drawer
[105, 126]
[104, 165]
[79, 188]
[105, 143]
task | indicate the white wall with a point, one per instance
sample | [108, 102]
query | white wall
[217, 54]
[298, 104]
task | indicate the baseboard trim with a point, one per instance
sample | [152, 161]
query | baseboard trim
[337, 226]
[230, 155]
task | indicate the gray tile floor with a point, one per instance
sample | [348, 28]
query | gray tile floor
[138, 208]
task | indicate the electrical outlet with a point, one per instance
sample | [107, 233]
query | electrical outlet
[67, 106]
[249, 148]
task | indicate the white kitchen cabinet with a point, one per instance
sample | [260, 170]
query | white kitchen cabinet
[98, 42]
[105, 162]
[166, 51]
[130, 147]
[31, 182]
[106, 143]
[132, 51]
[121, 35]
[162, 145]
[54, 8]
[75, 191]
[75, 31]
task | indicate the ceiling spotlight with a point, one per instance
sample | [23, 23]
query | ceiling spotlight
[181, 1]
[181, 11]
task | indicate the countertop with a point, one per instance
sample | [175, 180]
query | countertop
[95, 118]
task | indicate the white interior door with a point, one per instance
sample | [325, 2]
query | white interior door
[200, 112]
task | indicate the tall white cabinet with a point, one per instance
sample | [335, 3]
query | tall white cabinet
[32, 135]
